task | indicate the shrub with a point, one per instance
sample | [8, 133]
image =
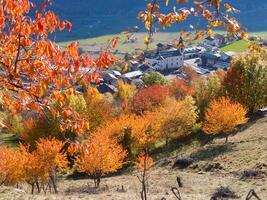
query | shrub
[153, 77]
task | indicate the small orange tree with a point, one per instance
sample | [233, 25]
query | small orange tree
[33, 172]
[11, 167]
[37, 168]
[121, 130]
[50, 159]
[224, 115]
[143, 165]
[99, 156]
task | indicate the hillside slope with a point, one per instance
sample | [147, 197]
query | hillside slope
[216, 164]
[93, 18]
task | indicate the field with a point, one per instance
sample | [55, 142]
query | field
[216, 164]
[237, 47]
[98, 43]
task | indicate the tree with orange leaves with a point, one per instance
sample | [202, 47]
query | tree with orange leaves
[120, 128]
[34, 69]
[37, 168]
[179, 89]
[223, 115]
[99, 156]
[146, 130]
[11, 167]
[217, 13]
[149, 98]
[50, 158]
[143, 164]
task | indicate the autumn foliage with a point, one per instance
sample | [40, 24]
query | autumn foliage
[178, 118]
[216, 13]
[149, 98]
[179, 89]
[143, 164]
[11, 167]
[34, 69]
[37, 168]
[224, 115]
[246, 80]
[99, 156]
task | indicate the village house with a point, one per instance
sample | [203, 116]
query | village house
[130, 76]
[165, 58]
[106, 88]
[215, 60]
[192, 52]
[111, 77]
[145, 68]
[217, 40]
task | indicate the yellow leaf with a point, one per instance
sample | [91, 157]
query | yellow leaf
[167, 2]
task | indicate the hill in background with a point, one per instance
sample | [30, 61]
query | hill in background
[93, 18]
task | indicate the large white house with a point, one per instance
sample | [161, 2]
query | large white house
[165, 58]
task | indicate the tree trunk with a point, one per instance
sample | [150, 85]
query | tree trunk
[226, 138]
[97, 182]
[167, 142]
[38, 187]
[32, 188]
[53, 181]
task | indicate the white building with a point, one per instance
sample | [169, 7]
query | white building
[165, 58]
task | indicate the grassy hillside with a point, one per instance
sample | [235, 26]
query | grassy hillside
[238, 47]
[216, 164]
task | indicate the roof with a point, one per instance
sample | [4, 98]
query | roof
[219, 36]
[209, 38]
[106, 88]
[200, 70]
[144, 67]
[211, 55]
[116, 73]
[110, 75]
[221, 65]
[173, 52]
[192, 50]
[133, 74]
[160, 45]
